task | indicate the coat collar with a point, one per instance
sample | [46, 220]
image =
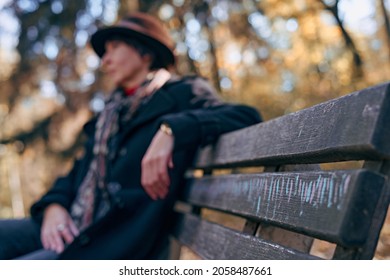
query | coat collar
[160, 103]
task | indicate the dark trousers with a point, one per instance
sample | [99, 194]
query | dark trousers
[20, 239]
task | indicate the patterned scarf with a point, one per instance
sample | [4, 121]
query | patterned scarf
[93, 201]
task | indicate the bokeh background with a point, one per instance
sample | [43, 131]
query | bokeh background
[277, 55]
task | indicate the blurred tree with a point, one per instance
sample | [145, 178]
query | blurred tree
[47, 27]
[334, 9]
[51, 88]
[386, 24]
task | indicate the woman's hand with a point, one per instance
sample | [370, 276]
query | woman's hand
[155, 163]
[57, 228]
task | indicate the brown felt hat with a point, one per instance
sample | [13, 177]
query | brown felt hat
[147, 30]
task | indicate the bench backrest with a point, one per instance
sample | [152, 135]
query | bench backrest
[284, 210]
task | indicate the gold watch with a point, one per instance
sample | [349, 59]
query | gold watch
[165, 128]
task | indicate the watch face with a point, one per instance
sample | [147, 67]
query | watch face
[166, 129]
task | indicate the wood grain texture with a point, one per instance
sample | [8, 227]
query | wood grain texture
[212, 241]
[353, 127]
[336, 205]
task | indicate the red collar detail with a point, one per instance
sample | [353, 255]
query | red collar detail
[131, 91]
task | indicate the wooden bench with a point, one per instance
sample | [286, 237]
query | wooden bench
[275, 184]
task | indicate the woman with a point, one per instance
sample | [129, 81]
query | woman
[117, 200]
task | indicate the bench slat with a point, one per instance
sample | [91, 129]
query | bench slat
[212, 241]
[353, 127]
[336, 205]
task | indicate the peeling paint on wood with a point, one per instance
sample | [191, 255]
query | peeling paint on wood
[317, 202]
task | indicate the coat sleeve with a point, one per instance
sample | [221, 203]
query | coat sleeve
[206, 117]
[63, 190]
[61, 193]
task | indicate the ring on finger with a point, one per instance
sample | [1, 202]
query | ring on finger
[60, 227]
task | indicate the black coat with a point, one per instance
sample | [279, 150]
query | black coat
[137, 227]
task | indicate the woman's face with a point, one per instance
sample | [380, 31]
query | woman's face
[125, 66]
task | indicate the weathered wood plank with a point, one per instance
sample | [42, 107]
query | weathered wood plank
[367, 250]
[212, 241]
[336, 205]
[353, 127]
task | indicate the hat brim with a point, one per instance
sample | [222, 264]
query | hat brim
[164, 56]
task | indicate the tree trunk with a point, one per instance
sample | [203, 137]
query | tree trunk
[387, 24]
[358, 62]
